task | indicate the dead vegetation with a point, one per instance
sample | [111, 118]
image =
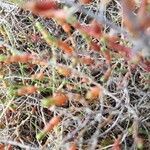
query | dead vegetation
[74, 75]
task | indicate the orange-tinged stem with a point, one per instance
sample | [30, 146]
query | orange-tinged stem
[48, 127]
[52, 123]
[65, 47]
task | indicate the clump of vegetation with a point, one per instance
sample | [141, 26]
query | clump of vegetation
[74, 74]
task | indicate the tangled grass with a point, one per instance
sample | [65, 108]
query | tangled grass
[101, 96]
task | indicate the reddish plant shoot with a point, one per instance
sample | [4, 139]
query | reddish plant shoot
[96, 28]
[121, 49]
[143, 15]
[128, 5]
[59, 99]
[26, 90]
[85, 1]
[38, 76]
[41, 6]
[116, 145]
[94, 46]
[84, 80]
[5, 147]
[72, 147]
[106, 75]
[94, 93]
[66, 27]
[48, 9]
[48, 127]
[64, 71]
[65, 47]
[52, 123]
[24, 58]
[107, 56]
[2, 147]
[87, 60]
